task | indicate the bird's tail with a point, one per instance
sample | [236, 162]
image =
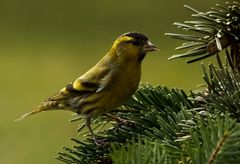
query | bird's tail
[45, 106]
[38, 110]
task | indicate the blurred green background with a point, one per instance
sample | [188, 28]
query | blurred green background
[46, 44]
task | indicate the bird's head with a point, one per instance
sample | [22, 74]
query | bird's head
[133, 46]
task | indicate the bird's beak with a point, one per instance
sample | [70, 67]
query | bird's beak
[148, 47]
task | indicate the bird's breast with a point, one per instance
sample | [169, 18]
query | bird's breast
[124, 84]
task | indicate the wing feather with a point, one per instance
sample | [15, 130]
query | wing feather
[91, 82]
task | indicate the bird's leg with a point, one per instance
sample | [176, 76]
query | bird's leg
[118, 119]
[88, 124]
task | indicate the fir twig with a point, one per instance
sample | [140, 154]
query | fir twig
[215, 30]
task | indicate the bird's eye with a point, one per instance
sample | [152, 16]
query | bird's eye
[136, 42]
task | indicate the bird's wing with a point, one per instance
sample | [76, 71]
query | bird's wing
[90, 82]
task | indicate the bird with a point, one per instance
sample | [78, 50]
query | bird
[107, 85]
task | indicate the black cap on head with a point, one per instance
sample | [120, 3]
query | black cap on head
[136, 36]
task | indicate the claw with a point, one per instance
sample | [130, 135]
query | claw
[101, 142]
[118, 119]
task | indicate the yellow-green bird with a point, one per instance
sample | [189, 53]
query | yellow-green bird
[108, 84]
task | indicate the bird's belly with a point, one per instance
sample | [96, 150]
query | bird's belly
[118, 98]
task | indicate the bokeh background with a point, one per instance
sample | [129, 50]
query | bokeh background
[46, 44]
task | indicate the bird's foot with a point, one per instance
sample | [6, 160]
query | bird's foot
[119, 119]
[100, 142]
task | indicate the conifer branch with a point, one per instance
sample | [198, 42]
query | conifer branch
[215, 30]
[218, 147]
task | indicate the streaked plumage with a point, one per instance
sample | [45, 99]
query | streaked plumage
[108, 84]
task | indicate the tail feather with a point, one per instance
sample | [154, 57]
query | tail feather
[48, 105]
[38, 110]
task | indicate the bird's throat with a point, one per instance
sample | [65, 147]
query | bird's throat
[141, 57]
